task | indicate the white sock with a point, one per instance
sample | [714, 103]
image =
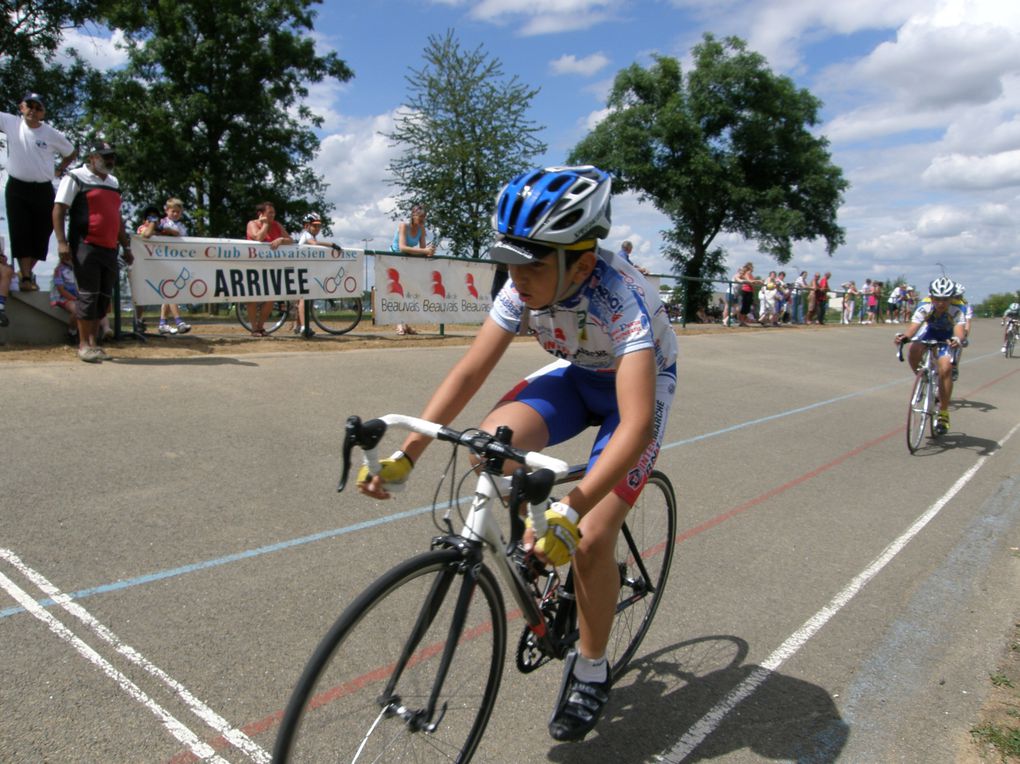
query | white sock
[591, 670]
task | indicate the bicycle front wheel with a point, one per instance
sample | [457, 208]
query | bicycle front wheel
[337, 316]
[644, 552]
[919, 411]
[372, 692]
[277, 316]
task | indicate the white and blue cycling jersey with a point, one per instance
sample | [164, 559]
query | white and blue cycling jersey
[937, 327]
[615, 312]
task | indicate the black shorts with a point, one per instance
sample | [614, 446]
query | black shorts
[29, 217]
[95, 270]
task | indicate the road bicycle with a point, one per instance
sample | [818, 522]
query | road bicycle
[411, 669]
[924, 398]
[334, 316]
[1010, 337]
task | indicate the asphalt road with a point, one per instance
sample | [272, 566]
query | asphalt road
[833, 598]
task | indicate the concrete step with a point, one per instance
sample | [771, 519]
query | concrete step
[33, 321]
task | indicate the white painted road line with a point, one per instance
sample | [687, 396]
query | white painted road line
[708, 723]
[235, 736]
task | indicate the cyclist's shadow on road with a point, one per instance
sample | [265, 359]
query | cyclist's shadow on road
[662, 696]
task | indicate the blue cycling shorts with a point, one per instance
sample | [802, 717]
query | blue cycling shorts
[571, 399]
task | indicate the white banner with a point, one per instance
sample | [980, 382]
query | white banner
[431, 290]
[172, 269]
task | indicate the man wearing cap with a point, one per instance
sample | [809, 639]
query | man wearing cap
[31, 147]
[92, 194]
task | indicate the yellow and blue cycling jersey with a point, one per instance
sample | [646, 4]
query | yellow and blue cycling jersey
[937, 327]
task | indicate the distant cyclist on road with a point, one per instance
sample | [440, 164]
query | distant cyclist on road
[616, 370]
[936, 318]
[1010, 316]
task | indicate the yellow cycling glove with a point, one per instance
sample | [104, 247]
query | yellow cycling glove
[562, 535]
[394, 471]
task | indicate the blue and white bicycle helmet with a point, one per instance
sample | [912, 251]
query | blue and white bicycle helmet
[1014, 307]
[556, 206]
[942, 287]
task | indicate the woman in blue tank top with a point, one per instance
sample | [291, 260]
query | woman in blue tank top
[410, 239]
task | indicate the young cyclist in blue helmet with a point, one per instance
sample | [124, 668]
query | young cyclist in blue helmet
[615, 370]
[937, 318]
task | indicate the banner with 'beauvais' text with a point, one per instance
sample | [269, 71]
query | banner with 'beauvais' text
[431, 290]
[172, 269]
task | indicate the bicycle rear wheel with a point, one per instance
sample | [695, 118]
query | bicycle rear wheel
[644, 552]
[1010, 343]
[277, 317]
[364, 694]
[919, 411]
[337, 316]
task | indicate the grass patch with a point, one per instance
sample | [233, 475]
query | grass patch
[1001, 680]
[1005, 740]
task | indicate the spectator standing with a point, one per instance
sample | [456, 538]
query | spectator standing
[626, 248]
[64, 294]
[822, 296]
[782, 298]
[812, 299]
[411, 239]
[91, 194]
[171, 224]
[800, 289]
[876, 291]
[767, 313]
[894, 300]
[6, 274]
[850, 295]
[747, 281]
[266, 229]
[32, 146]
[865, 299]
[311, 226]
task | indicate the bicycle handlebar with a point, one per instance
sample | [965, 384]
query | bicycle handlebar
[366, 435]
[909, 340]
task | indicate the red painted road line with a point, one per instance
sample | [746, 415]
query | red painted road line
[262, 725]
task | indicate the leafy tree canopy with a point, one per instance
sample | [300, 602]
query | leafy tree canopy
[29, 39]
[465, 133]
[725, 148]
[208, 108]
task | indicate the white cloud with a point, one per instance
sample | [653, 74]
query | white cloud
[587, 66]
[550, 17]
[100, 48]
[974, 172]
[354, 162]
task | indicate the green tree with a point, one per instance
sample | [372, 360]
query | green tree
[996, 304]
[208, 107]
[29, 41]
[726, 148]
[465, 132]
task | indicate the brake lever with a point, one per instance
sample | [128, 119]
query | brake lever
[365, 435]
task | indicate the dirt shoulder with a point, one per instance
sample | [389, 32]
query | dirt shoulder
[229, 338]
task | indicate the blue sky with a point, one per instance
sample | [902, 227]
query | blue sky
[921, 105]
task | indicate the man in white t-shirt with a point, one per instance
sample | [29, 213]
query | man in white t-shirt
[31, 147]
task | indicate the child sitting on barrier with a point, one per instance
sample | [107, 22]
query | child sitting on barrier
[64, 294]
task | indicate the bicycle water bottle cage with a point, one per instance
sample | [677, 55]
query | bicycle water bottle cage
[365, 435]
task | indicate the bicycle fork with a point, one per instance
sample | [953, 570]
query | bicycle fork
[421, 720]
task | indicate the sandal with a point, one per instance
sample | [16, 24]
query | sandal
[401, 330]
[410, 330]
[579, 704]
[27, 283]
